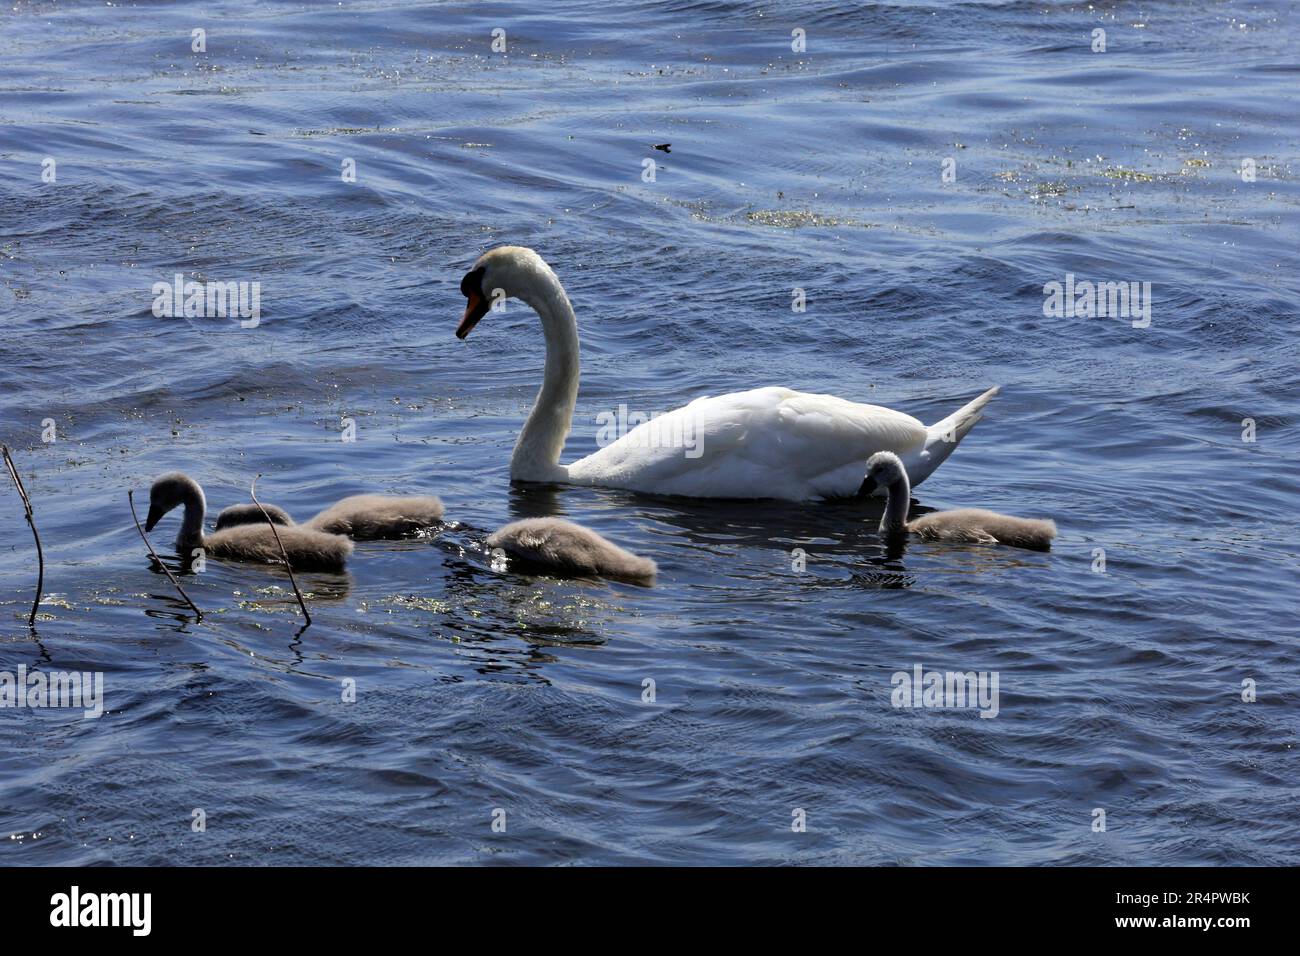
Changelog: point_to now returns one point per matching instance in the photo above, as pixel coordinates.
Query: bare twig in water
(130, 497)
(40, 554)
(252, 491)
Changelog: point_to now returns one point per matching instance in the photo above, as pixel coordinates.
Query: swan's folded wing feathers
(766, 442)
(822, 422)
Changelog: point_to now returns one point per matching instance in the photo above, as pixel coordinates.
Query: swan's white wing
(765, 443)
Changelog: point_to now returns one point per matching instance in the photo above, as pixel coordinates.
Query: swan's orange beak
(475, 308)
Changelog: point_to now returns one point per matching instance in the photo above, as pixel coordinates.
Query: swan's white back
(765, 443)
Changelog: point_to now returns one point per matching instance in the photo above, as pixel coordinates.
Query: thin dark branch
(40, 553)
(252, 491)
(166, 570)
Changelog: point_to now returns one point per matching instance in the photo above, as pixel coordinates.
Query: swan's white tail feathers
(954, 428)
(945, 435)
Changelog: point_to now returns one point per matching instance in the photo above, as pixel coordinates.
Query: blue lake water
(822, 170)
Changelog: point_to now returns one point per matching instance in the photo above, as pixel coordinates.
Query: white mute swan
(560, 546)
(965, 525)
(765, 443)
(307, 550)
(360, 517)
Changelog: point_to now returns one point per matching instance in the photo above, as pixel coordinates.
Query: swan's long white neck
(537, 452)
(894, 520)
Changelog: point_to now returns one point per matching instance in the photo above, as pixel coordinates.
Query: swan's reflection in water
(529, 500)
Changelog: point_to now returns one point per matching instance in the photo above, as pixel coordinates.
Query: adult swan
(766, 443)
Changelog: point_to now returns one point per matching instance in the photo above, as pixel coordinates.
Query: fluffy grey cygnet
(563, 547)
(249, 513)
(308, 550)
(360, 517)
(966, 525)
(368, 517)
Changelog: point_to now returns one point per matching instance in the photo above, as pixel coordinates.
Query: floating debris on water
(1129, 175)
(792, 219)
(1049, 190)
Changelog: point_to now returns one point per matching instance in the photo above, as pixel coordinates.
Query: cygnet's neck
(191, 533)
(894, 520)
